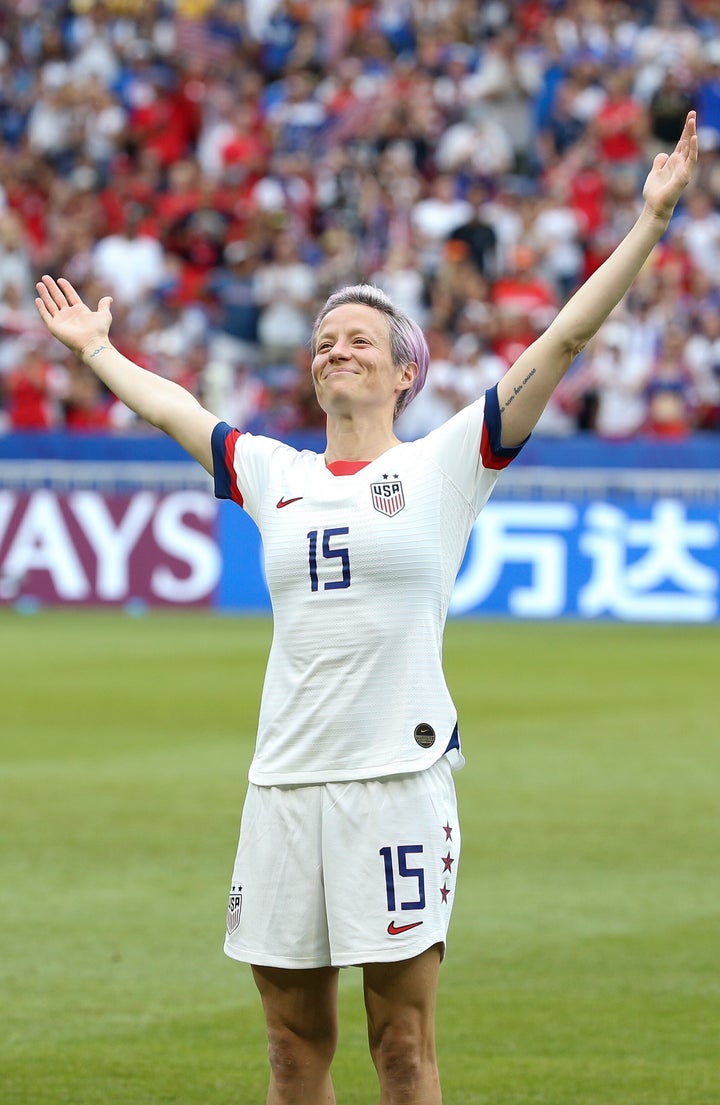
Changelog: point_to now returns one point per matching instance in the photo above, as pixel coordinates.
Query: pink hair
(407, 341)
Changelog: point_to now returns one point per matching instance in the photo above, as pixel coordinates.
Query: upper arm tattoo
(516, 390)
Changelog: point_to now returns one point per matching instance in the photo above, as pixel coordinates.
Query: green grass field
(584, 959)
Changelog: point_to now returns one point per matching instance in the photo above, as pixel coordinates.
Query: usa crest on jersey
(387, 496)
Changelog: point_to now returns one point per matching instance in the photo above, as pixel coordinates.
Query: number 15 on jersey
(323, 544)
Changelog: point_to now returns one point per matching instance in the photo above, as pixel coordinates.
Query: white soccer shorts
(345, 873)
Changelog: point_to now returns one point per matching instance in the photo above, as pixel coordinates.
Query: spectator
(235, 390)
(33, 391)
(557, 234)
(614, 384)
(402, 282)
(479, 148)
(243, 147)
(587, 188)
(440, 397)
(341, 261)
(668, 41)
(16, 322)
(505, 79)
(707, 96)
(92, 45)
(296, 118)
(52, 126)
(130, 263)
(701, 232)
(235, 309)
(86, 403)
(478, 368)
(15, 263)
(702, 355)
(478, 233)
(668, 107)
(670, 414)
(435, 216)
(621, 126)
(103, 123)
(564, 125)
(285, 288)
(523, 297)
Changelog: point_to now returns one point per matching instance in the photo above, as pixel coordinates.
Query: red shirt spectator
(621, 124)
(87, 405)
(587, 194)
(525, 304)
(160, 126)
(31, 404)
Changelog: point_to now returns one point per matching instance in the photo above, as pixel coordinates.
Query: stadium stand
(219, 168)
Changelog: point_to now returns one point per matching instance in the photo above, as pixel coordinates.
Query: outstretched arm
(160, 402)
(527, 386)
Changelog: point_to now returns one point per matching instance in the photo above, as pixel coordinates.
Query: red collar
(346, 467)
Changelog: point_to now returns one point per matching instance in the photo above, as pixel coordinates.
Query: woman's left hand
(670, 173)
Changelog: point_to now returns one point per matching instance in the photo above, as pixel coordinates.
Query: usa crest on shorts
(388, 496)
(234, 909)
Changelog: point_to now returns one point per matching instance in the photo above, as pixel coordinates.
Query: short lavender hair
(407, 341)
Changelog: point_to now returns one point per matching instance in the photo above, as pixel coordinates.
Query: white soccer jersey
(361, 560)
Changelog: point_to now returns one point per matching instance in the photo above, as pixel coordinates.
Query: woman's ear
(409, 375)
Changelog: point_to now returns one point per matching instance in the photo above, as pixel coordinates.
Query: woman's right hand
(69, 319)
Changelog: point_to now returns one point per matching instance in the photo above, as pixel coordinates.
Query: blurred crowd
(220, 167)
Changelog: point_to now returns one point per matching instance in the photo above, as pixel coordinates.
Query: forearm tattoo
(517, 390)
(97, 350)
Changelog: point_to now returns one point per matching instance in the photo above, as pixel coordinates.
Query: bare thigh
(303, 1002)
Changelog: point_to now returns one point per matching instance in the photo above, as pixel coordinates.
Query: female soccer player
(349, 844)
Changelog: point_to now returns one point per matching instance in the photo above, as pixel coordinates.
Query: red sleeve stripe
(230, 442)
(489, 458)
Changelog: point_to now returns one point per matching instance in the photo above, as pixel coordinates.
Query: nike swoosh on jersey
(286, 502)
(395, 930)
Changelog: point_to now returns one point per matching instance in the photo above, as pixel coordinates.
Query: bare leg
(400, 1002)
(301, 1017)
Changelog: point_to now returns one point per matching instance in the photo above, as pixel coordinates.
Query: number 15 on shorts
(404, 883)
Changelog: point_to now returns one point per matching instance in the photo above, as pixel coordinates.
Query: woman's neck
(358, 439)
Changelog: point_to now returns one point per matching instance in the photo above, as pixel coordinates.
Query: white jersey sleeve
(469, 451)
(243, 465)
(360, 569)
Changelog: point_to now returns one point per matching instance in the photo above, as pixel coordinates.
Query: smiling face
(352, 365)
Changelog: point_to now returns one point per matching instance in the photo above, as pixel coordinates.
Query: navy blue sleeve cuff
(221, 468)
(493, 422)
